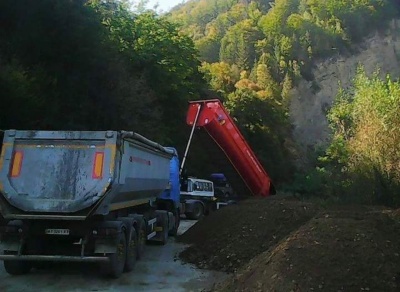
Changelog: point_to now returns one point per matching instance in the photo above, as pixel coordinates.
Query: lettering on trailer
(139, 160)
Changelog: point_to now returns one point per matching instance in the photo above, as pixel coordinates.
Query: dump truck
(83, 196)
(228, 148)
(230, 151)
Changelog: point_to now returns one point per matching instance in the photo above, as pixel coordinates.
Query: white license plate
(57, 231)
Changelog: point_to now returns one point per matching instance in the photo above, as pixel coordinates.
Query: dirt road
(158, 270)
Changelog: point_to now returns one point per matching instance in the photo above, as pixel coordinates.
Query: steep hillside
(310, 100)
(254, 53)
(291, 71)
(209, 22)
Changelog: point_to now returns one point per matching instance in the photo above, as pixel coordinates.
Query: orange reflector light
(98, 165)
(17, 163)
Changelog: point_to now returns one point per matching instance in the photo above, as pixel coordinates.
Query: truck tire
(141, 239)
(198, 211)
(17, 267)
(116, 264)
(165, 231)
(131, 251)
(174, 231)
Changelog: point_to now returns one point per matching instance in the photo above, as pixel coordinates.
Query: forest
(97, 64)
(94, 65)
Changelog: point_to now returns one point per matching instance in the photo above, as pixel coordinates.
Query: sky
(164, 5)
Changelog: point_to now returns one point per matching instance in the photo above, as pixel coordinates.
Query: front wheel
(198, 211)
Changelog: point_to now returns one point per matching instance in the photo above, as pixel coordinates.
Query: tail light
(17, 164)
(98, 165)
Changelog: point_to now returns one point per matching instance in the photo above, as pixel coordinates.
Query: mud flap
(10, 244)
(12, 241)
(105, 246)
(108, 244)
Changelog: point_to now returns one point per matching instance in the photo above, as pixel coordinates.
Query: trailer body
(81, 195)
(211, 116)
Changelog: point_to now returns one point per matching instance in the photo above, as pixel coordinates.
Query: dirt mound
(230, 237)
(335, 251)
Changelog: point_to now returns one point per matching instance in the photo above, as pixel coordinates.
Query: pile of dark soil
(230, 237)
(288, 245)
(336, 251)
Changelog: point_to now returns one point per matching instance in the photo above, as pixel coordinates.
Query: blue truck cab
(170, 198)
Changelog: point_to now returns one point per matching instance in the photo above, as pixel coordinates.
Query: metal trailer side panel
(53, 171)
(220, 126)
(143, 174)
(57, 176)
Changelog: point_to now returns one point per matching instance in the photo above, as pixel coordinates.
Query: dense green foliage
(253, 52)
(285, 35)
(365, 150)
(97, 65)
(362, 161)
(94, 65)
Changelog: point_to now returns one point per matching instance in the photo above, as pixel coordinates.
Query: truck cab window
(186, 186)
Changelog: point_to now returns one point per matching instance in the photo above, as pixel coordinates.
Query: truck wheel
(142, 239)
(116, 264)
(17, 267)
(197, 213)
(174, 231)
(131, 251)
(165, 231)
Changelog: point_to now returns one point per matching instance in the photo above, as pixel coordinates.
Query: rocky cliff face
(311, 100)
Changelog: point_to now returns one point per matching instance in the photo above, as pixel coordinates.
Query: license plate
(57, 231)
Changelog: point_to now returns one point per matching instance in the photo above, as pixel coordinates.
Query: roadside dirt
(233, 235)
(288, 245)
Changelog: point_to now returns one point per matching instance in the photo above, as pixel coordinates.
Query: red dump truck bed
(216, 121)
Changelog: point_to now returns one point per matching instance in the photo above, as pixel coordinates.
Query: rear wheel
(131, 251)
(116, 264)
(142, 239)
(164, 224)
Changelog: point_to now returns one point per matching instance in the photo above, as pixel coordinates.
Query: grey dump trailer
(85, 196)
